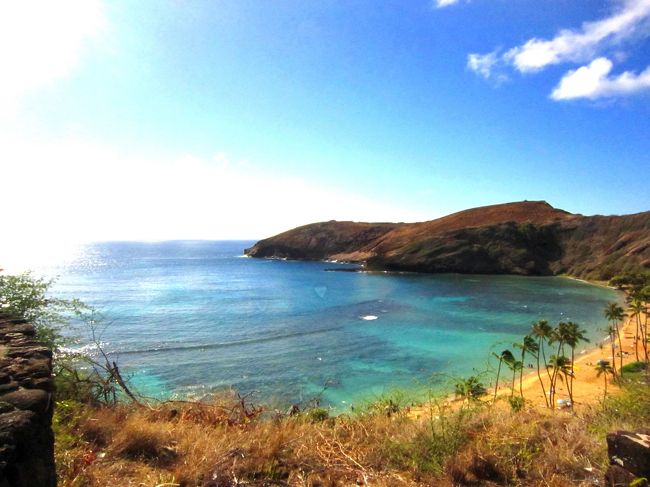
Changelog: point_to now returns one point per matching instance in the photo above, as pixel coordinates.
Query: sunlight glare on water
(190, 317)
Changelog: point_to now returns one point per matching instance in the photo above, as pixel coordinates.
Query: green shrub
(517, 403)
(317, 415)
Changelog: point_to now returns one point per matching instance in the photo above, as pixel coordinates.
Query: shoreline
(588, 389)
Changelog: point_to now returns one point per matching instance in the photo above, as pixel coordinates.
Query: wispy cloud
(581, 45)
(631, 22)
(482, 64)
(41, 41)
(593, 81)
(444, 3)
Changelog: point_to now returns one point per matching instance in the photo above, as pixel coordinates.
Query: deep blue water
(191, 317)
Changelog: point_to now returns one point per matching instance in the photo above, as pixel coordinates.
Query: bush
(516, 403)
(143, 441)
(25, 296)
(317, 415)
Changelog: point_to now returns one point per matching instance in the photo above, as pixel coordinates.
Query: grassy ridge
(229, 443)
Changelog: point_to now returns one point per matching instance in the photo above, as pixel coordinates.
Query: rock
(30, 368)
(26, 438)
(617, 476)
(18, 329)
(9, 386)
(36, 400)
(631, 451)
(33, 351)
(44, 383)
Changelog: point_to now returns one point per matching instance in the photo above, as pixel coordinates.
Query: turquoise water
(189, 318)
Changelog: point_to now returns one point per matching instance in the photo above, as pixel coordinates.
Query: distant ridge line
(524, 238)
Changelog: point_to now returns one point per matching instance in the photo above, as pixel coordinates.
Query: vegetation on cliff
(219, 444)
(527, 238)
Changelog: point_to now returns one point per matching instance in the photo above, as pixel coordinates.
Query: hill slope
(528, 238)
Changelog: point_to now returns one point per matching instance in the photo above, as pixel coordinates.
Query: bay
(187, 318)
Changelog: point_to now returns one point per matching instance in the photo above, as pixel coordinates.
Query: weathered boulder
(26, 406)
(629, 455)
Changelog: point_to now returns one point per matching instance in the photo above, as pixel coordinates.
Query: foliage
(427, 448)
(316, 415)
(77, 377)
(634, 367)
(192, 443)
(470, 389)
(517, 403)
(627, 410)
(632, 281)
(26, 296)
(393, 402)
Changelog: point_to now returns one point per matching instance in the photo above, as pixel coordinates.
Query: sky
(238, 119)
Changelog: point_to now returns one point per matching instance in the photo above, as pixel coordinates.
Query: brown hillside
(319, 241)
(535, 212)
(528, 238)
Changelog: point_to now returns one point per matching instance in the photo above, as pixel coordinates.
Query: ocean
(184, 319)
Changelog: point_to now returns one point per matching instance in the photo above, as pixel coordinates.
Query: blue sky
(240, 119)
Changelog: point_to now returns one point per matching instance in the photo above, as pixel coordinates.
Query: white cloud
(592, 82)
(580, 45)
(41, 41)
(631, 22)
(482, 63)
(444, 3)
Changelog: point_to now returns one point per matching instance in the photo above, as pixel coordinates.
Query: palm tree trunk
(544, 357)
(612, 341)
(539, 375)
(570, 383)
(636, 336)
(496, 384)
(521, 373)
(620, 349)
(554, 378)
(514, 375)
(644, 338)
(605, 386)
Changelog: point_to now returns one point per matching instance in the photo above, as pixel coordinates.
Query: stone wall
(26, 406)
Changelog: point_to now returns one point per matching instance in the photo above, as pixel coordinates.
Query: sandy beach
(588, 388)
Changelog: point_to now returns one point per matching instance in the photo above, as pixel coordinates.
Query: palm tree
(515, 366)
(504, 356)
(470, 389)
(574, 335)
(527, 346)
(614, 313)
(542, 331)
(603, 368)
(637, 309)
(560, 365)
(559, 335)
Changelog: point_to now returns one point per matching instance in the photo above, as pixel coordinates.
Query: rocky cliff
(26, 406)
(527, 238)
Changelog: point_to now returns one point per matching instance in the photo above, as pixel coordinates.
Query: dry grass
(190, 444)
